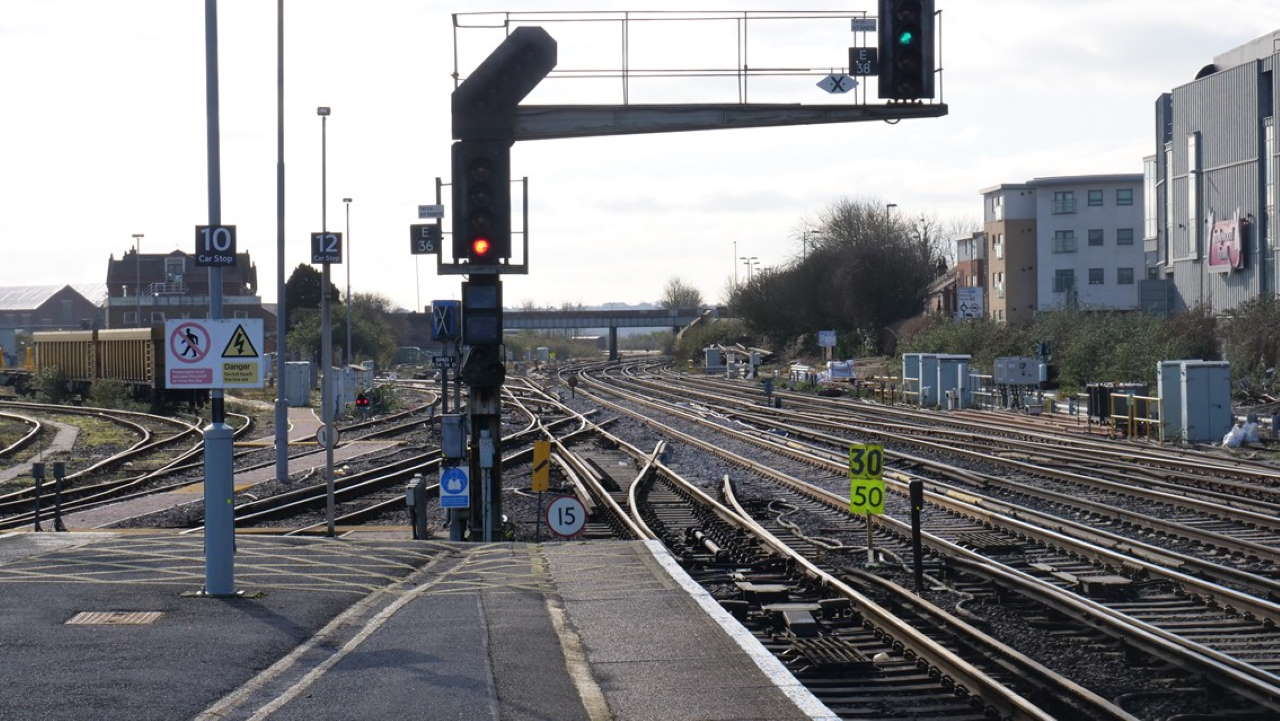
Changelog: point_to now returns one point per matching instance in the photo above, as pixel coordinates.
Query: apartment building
(1211, 223)
(1060, 242)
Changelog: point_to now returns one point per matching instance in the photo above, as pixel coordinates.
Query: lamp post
(735, 265)
(326, 328)
(282, 321)
(749, 262)
(137, 269)
(804, 241)
(347, 204)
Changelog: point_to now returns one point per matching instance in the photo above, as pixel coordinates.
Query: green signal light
(906, 38)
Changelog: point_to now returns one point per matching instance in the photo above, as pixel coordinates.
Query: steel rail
(363, 481)
(633, 491)
(1244, 547)
(590, 483)
(1176, 459)
(997, 650)
(1226, 597)
(1250, 681)
(1212, 538)
(85, 497)
(967, 678)
(371, 485)
(27, 438)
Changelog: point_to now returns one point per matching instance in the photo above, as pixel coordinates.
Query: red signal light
(480, 247)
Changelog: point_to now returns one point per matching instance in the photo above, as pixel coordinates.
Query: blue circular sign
(453, 480)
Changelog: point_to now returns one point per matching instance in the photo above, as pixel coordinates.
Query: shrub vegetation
(1087, 346)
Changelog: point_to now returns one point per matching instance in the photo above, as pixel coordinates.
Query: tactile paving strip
(114, 618)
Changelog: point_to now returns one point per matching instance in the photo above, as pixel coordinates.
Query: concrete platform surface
(370, 629)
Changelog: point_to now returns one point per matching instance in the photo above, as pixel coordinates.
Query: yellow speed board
(866, 489)
(866, 497)
(866, 460)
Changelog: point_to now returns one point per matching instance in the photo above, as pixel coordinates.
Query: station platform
(105, 625)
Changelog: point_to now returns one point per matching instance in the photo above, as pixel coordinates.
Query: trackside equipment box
(1205, 388)
(1016, 371)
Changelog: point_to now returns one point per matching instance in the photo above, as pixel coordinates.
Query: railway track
(371, 495)
(36, 427)
(855, 654)
(111, 480)
(1211, 639)
(1241, 532)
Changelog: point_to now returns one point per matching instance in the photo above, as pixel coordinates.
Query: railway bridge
(673, 318)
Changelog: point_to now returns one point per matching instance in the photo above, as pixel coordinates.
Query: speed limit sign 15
(215, 246)
(866, 488)
(566, 516)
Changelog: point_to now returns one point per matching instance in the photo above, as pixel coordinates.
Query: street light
(804, 241)
(749, 262)
(326, 327)
(347, 257)
(735, 266)
(137, 267)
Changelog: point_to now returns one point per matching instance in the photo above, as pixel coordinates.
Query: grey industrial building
(1210, 211)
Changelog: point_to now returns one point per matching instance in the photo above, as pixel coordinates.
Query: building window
(1095, 236)
(1095, 276)
(997, 245)
(997, 207)
(1064, 241)
(1064, 280)
(1193, 195)
(129, 318)
(1124, 196)
(1124, 236)
(174, 267)
(1270, 174)
(241, 314)
(1168, 203)
(1064, 201)
(1149, 230)
(1124, 276)
(157, 316)
(1095, 198)
(1153, 273)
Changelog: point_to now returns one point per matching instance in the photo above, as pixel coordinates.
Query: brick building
(148, 288)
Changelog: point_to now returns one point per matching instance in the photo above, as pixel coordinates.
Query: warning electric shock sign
(189, 362)
(240, 345)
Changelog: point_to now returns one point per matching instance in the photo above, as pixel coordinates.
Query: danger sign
(190, 364)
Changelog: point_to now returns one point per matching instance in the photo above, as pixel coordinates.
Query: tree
(371, 333)
(302, 290)
(678, 294)
(866, 268)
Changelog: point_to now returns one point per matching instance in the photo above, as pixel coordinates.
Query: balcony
(173, 287)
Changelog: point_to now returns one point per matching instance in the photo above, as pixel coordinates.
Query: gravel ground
(1105, 671)
(1114, 500)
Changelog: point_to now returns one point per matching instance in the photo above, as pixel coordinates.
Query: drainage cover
(114, 618)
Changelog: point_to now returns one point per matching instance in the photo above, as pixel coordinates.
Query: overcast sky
(102, 131)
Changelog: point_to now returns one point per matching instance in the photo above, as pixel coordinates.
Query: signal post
(484, 113)
(487, 120)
